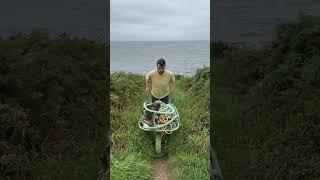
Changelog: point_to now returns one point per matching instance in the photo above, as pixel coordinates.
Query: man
(160, 79)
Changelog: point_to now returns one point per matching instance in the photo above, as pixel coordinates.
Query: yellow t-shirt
(160, 83)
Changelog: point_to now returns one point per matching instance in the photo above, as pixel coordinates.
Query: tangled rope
(161, 119)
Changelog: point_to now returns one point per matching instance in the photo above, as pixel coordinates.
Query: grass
(130, 166)
(130, 150)
(188, 148)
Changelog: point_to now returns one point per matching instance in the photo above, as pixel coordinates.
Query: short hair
(161, 62)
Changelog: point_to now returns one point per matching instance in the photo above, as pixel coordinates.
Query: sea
(182, 57)
(253, 22)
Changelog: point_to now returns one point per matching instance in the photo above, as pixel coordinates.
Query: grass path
(187, 155)
(187, 146)
(161, 165)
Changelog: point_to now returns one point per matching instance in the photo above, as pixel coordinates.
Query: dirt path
(160, 169)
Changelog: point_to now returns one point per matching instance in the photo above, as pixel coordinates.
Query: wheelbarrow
(162, 121)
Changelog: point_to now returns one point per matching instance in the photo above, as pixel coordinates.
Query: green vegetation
(265, 106)
(52, 116)
(132, 149)
(188, 148)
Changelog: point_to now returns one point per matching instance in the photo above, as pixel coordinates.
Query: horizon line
(155, 40)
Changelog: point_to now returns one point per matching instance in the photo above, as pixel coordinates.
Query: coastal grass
(188, 148)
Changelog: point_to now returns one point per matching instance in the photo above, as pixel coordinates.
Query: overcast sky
(147, 20)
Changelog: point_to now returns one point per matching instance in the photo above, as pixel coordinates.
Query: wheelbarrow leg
(158, 143)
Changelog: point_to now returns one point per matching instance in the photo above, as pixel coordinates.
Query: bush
(275, 90)
(50, 103)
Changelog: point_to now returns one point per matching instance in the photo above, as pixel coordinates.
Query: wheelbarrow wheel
(158, 144)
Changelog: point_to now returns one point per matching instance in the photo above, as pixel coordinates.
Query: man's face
(161, 68)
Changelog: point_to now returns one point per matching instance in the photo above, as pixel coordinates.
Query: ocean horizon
(182, 57)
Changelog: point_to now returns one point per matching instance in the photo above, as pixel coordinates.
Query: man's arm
(173, 79)
(147, 86)
(147, 83)
(172, 87)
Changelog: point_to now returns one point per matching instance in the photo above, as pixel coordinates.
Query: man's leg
(153, 99)
(165, 99)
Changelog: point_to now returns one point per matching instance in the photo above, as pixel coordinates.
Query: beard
(160, 72)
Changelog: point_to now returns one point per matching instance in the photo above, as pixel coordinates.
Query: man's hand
(172, 93)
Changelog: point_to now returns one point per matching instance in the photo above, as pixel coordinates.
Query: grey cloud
(160, 20)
